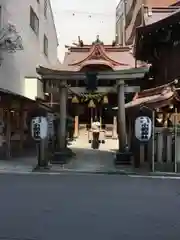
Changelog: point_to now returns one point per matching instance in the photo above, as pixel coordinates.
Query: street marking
(50, 173)
(156, 177)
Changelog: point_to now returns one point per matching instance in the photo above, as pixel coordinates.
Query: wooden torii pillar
(122, 155)
(62, 115)
(121, 117)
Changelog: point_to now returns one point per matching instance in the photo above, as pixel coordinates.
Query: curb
(118, 172)
(83, 172)
(71, 171)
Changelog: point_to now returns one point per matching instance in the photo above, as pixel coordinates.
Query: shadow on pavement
(90, 160)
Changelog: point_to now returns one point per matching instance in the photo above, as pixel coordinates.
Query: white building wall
(120, 22)
(19, 68)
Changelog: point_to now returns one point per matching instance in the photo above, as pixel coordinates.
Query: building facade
(158, 44)
(34, 22)
(136, 12)
(120, 23)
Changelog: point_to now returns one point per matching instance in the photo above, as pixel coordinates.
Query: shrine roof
(115, 57)
(155, 97)
(49, 71)
(161, 19)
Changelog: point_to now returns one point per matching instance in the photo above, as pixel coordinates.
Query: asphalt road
(88, 207)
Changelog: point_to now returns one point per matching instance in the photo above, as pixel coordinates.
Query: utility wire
(75, 12)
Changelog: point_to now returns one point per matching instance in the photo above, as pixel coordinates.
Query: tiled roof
(156, 97)
(122, 56)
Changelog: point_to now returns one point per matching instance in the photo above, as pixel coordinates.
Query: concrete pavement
(88, 159)
(19, 165)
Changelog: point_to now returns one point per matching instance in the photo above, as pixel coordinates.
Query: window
(34, 21)
(45, 8)
(45, 45)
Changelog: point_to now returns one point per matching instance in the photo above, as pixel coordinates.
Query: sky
(83, 18)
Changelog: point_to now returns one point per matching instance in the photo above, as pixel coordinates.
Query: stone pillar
(1, 126)
(21, 127)
(122, 156)
(121, 118)
(160, 147)
(1, 132)
(51, 100)
(142, 154)
(8, 134)
(76, 126)
(114, 131)
(100, 117)
(91, 109)
(169, 148)
(95, 112)
(63, 115)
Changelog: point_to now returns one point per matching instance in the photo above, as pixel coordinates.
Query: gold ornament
(75, 100)
(91, 104)
(105, 100)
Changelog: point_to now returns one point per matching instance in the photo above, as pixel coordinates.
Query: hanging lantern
(105, 100)
(75, 100)
(99, 99)
(91, 104)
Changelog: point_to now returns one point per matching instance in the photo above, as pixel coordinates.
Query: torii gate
(110, 62)
(55, 78)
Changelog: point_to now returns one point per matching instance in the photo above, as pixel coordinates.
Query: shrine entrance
(91, 82)
(93, 98)
(58, 82)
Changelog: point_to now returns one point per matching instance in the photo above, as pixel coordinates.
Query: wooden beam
(79, 90)
(129, 77)
(60, 77)
(45, 71)
(105, 77)
(131, 89)
(126, 74)
(128, 89)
